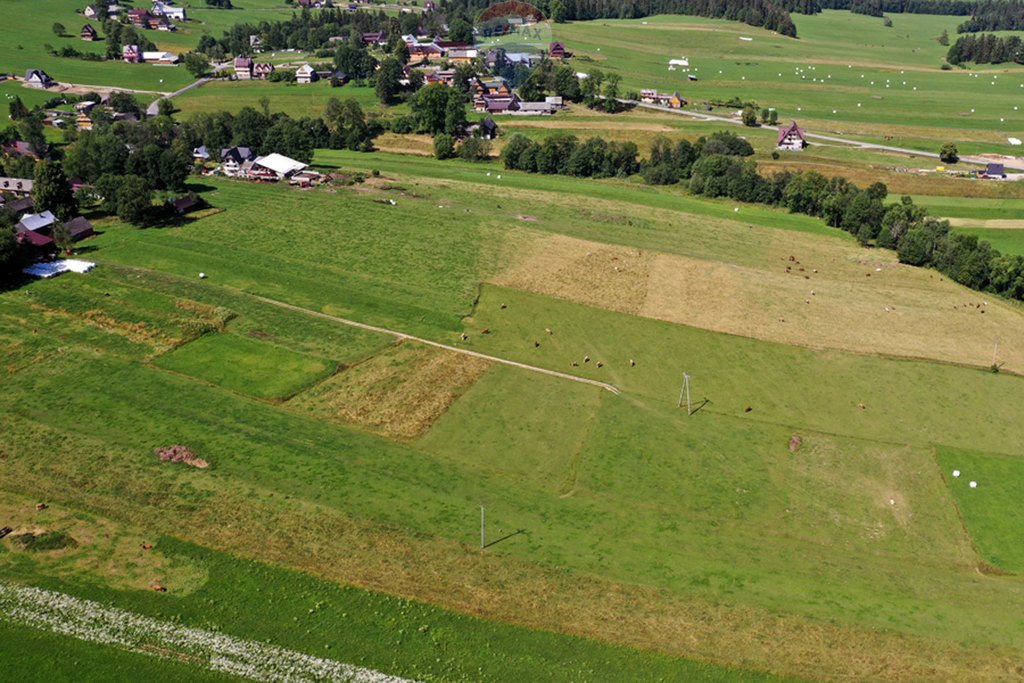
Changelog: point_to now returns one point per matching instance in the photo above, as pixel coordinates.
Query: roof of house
(791, 128)
(158, 56)
(279, 163)
(19, 148)
(17, 206)
(995, 169)
(35, 239)
(243, 63)
(238, 154)
(16, 185)
(489, 124)
(201, 152)
(536, 106)
(37, 221)
(88, 29)
(305, 69)
(36, 74)
(186, 204)
(78, 228)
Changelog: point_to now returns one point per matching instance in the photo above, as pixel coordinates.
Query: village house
(262, 70)
(429, 50)
(200, 155)
(186, 204)
(243, 68)
(375, 38)
(131, 54)
(37, 78)
(93, 12)
(673, 100)
(498, 105)
(791, 138)
(79, 228)
(445, 76)
(159, 24)
(557, 51)
(17, 186)
(139, 18)
(462, 55)
(232, 159)
(42, 245)
(18, 207)
(20, 148)
(158, 57)
(37, 222)
(306, 74)
(994, 171)
(486, 129)
(166, 10)
(83, 122)
(533, 109)
(278, 164)
(88, 33)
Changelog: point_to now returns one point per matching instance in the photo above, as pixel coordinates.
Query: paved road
(455, 349)
(154, 108)
(828, 138)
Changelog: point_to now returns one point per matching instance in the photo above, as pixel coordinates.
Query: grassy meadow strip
(91, 621)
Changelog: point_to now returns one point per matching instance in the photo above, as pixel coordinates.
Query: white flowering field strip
(94, 622)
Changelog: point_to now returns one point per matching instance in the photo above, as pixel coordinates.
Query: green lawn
(839, 61)
(1006, 241)
(284, 608)
(246, 365)
(293, 98)
(990, 509)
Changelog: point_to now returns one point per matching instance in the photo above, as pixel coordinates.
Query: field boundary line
(438, 345)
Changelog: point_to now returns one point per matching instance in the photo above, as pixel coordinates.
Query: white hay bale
(956, 473)
(202, 276)
(973, 484)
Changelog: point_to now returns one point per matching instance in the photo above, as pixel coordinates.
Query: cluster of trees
(670, 163)
(565, 155)
(470, 149)
(995, 15)
(986, 48)
(311, 30)
(117, 35)
(436, 109)
(597, 91)
(343, 125)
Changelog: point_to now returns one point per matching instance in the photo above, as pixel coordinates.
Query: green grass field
(803, 522)
(246, 365)
(614, 495)
(839, 61)
(986, 509)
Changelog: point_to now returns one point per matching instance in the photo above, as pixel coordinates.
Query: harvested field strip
(991, 223)
(405, 337)
(91, 621)
(399, 393)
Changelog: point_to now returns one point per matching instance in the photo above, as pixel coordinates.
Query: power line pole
(482, 540)
(995, 350)
(684, 391)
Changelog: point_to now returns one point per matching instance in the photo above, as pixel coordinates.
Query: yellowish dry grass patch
(597, 274)
(398, 393)
(830, 295)
(992, 223)
(124, 559)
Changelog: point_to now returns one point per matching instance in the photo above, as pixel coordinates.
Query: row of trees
(918, 239)
(995, 15)
(565, 155)
(770, 14)
(986, 48)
